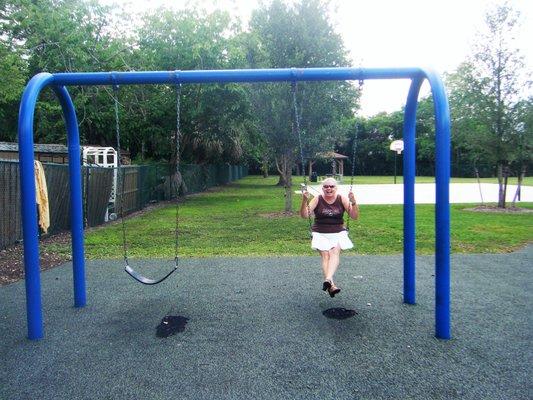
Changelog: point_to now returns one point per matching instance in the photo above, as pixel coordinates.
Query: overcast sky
(389, 33)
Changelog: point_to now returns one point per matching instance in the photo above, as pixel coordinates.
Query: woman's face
(329, 188)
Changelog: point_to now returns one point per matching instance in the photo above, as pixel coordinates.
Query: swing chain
(122, 174)
(297, 125)
(354, 149)
(177, 150)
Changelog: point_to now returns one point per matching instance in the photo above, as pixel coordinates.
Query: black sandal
(326, 285)
(333, 290)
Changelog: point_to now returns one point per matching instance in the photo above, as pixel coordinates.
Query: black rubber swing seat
(143, 279)
(130, 271)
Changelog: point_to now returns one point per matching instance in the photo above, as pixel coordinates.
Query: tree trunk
(174, 183)
(281, 180)
(505, 180)
(479, 185)
(288, 194)
(284, 166)
(501, 199)
(519, 186)
(264, 167)
(503, 175)
(174, 186)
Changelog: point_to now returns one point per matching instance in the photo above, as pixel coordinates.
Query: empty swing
(134, 274)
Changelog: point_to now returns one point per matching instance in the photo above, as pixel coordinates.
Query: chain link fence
(143, 185)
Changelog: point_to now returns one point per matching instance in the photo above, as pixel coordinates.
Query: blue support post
(76, 198)
(409, 164)
(30, 231)
(442, 207)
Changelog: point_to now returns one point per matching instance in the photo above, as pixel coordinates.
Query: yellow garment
(41, 197)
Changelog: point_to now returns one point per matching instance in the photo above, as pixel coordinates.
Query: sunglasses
(328, 186)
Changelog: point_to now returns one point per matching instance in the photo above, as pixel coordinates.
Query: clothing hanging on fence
(41, 197)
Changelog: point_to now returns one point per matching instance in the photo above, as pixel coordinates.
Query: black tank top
(329, 217)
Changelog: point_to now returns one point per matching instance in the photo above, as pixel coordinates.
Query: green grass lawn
(244, 219)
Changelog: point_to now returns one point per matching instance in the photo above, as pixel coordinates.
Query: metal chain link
(122, 173)
(177, 149)
(354, 149)
(297, 123)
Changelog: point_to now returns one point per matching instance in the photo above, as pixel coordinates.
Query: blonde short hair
(329, 181)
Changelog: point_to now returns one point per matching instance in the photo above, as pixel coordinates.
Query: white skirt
(327, 241)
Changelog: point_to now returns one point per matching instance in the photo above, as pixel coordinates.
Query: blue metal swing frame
(58, 82)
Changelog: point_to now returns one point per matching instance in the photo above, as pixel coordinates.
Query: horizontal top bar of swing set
(236, 75)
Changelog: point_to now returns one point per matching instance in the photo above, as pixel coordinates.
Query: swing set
(59, 82)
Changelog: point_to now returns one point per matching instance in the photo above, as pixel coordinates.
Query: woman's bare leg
(325, 262)
(333, 262)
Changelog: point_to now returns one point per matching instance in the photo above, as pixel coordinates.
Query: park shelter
(336, 159)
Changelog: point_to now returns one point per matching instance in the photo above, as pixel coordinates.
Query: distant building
(48, 153)
(51, 153)
(336, 160)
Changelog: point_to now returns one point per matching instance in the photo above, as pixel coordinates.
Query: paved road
(425, 193)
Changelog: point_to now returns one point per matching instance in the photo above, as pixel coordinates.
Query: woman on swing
(329, 233)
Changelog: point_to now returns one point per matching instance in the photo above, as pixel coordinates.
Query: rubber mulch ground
(255, 329)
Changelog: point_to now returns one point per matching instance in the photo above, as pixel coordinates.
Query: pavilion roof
(331, 154)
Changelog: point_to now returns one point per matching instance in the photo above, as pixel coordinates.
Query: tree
(82, 35)
(373, 156)
(215, 118)
(425, 137)
(301, 35)
(13, 73)
(469, 123)
(65, 36)
(497, 68)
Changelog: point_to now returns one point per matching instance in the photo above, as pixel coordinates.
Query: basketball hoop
(397, 146)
